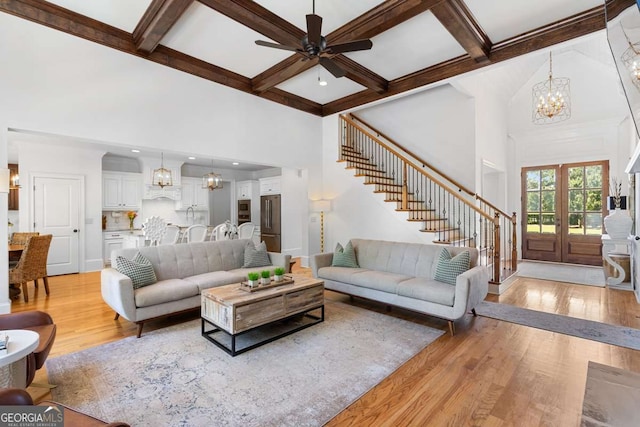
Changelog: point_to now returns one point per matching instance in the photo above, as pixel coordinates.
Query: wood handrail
(492, 206)
(430, 166)
(406, 160)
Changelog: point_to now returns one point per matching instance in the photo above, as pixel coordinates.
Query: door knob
(75, 230)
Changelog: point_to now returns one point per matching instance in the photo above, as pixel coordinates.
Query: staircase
(451, 213)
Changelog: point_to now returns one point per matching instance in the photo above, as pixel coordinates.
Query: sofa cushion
(344, 257)
(138, 269)
(256, 256)
(379, 280)
(213, 279)
(339, 274)
(448, 268)
(428, 290)
(165, 291)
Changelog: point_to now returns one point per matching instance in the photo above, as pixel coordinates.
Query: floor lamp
(321, 206)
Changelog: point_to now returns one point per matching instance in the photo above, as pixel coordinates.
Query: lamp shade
(321, 205)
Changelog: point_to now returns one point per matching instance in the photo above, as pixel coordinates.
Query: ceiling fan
(314, 45)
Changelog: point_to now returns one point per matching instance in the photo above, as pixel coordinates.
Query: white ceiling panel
(502, 20)
(123, 14)
(334, 13)
(411, 46)
(306, 85)
(212, 37)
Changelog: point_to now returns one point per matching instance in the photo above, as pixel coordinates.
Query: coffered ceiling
(415, 42)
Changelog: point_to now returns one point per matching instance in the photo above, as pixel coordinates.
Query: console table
(609, 247)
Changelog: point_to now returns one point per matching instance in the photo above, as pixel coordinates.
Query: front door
(564, 210)
(57, 212)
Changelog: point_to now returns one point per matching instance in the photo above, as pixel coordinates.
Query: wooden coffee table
(235, 312)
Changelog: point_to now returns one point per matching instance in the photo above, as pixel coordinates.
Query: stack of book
(4, 343)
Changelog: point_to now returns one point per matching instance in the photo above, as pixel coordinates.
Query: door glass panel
(541, 201)
(576, 200)
(576, 223)
(593, 221)
(576, 176)
(594, 201)
(585, 199)
(594, 176)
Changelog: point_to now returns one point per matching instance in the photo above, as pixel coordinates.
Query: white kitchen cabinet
(121, 191)
(131, 240)
(112, 240)
(193, 195)
(270, 185)
(246, 190)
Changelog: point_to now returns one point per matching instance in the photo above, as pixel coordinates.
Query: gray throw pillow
(139, 270)
(256, 256)
(448, 269)
(344, 257)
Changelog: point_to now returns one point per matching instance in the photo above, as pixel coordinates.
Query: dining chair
(195, 233)
(19, 238)
(171, 235)
(245, 231)
(218, 232)
(32, 264)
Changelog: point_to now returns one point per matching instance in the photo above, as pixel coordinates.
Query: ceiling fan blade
(353, 46)
(332, 67)
(277, 46)
(314, 29)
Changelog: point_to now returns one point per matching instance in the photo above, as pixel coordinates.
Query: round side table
(13, 365)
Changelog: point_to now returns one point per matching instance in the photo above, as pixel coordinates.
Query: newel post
(496, 248)
(514, 243)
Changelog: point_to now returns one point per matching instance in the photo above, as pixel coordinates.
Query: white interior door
(57, 212)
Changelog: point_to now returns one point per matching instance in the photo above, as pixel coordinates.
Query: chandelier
(161, 176)
(212, 180)
(631, 60)
(551, 99)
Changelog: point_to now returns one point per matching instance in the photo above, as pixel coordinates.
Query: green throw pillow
(256, 256)
(139, 270)
(344, 257)
(448, 269)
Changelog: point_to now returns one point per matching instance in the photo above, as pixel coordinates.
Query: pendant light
(212, 180)
(161, 176)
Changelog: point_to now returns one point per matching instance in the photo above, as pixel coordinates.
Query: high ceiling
(415, 42)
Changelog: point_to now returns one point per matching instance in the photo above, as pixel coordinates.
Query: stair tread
(386, 184)
(426, 220)
(373, 176)
(364, 169)
(355, 156)
(389, 191)
(415, 210)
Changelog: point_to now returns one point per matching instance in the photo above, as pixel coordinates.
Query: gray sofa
(401, 274)
(183, 271)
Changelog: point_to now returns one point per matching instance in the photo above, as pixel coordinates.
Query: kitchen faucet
(193, 214)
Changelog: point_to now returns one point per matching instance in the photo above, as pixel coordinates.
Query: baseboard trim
(93, 265)
(499, 289)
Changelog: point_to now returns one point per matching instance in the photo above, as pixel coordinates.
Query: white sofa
(401, 274)
(183, 271)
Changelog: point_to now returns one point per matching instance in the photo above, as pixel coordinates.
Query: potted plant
(278, 274)
(253, 279)
(266, 277)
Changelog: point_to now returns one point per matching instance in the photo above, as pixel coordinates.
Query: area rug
(580, 274)
(611, 397)
(175, 377)
(587, 329)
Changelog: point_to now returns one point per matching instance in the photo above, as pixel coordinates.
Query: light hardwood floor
(491, 373)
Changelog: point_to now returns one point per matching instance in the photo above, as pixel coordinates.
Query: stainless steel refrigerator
(270, 222)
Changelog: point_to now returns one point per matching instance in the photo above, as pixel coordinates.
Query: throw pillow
(448, 269)
(256, 256)
(344, 257)
(138, 269)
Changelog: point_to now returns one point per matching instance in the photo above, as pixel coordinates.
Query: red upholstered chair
(37, 321)
(72, 418)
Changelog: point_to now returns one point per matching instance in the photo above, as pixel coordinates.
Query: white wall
(46, 156)
(436, 124)
(294, 212)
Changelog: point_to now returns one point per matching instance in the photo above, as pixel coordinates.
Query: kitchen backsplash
(165, 209)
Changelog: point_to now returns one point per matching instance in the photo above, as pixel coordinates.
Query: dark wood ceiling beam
(458, 20)
(374, 22)
(157, 21)
(575, 26)
(259, 19)
(58, 18)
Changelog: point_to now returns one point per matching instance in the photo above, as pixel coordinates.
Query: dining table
(15, 250)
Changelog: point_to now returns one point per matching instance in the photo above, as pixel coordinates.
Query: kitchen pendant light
(212, 180)
(161, 176)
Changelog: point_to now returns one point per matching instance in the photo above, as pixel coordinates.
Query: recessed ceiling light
(135, 151)
(191, 158)
(235, 163)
